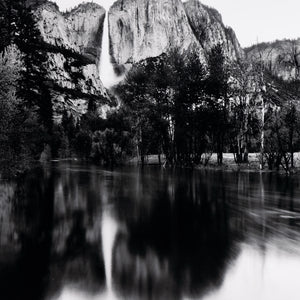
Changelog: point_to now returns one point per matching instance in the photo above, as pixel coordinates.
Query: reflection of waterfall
(107, 73)
(109, 232)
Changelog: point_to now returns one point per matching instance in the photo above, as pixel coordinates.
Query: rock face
(281, 58)
(79, 30)
(210, 30)
(73, 43)
(147, 28)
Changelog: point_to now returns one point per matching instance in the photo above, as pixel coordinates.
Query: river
(72, 231)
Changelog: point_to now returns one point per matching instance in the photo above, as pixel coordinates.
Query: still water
(79, 232)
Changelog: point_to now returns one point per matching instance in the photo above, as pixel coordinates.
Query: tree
(83, 144)
(19, 28)
(165, 95)
(218, 91)
(243, 111)
(10, 66)
(20, 134)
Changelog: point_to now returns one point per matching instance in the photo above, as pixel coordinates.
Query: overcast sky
(252, 20)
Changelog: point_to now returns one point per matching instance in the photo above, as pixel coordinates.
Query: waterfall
(106, 68)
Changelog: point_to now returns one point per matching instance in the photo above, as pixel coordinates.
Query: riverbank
(229, 163)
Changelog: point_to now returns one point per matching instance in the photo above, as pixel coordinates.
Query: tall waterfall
(107, 73)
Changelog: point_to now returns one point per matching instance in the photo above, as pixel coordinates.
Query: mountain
(281, 58)
(79, 30)
(147, 28)
(73, 43)
(209, 29)
(138, 29)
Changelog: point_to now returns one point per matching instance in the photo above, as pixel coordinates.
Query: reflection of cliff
(136, 234)
(168, 230)
(77, 258)
(63, 224)
(58, 241)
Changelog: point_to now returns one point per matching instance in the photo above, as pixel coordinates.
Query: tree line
(187, 110)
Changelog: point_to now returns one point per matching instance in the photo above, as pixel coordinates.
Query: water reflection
(73, 232)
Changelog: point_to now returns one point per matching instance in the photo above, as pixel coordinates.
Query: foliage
(282, 137)
(21, 135)
(19, 28)
(26, 107)
(176, 107)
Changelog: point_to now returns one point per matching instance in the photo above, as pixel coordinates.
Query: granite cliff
(73, 43)
(209, 29)
(281, 58)
(147, 28)
(79, 30)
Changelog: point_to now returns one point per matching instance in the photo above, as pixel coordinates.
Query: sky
(65, 4)
(252, 20)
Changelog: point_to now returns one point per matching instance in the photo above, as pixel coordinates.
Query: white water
(109, 232)
(107, 73)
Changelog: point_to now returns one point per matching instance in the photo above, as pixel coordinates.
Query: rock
(209, 29)
(73, 42)
(281, 58)
(147, 28)
(79, 30)
(141, 29)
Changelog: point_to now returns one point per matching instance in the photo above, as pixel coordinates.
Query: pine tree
(19, 28)
(217, 88)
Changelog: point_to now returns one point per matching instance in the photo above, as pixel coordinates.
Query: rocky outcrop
(147, 28)
(281, 58)
(73, 43)
(209, 29)
(79, 30)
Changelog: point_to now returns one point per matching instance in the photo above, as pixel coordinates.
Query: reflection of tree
(178, 246)
(76, 253)
(76, 239)
(176, 230)
(265, 209)
(43, 267)
(7, 226)
(25, 278)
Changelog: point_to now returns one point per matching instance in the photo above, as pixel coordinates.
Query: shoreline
(229, 165)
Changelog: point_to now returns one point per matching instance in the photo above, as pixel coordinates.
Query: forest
(174, 106)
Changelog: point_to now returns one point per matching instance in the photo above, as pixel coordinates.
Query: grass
(228, 162)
